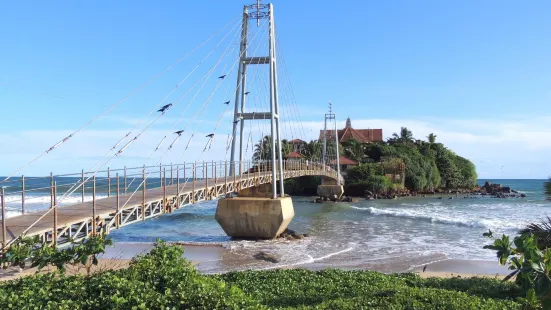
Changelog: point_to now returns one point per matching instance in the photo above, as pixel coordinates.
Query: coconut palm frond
(542, 232)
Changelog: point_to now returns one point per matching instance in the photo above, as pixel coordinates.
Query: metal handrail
(202, 173)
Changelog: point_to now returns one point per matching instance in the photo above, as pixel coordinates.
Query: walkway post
(214, 172)
(4, 230)
(171, 179)
(225, 177)
(206, 176)
(125, 179)
(94, 206)
(178, 186)
(143, 193)
(51, 189)
(193, 167)
(118, 216)
(108, 182)
(165, 206)
(161, 174)
(54, 233)
(185, 180)
(82, 185)
(22, 194)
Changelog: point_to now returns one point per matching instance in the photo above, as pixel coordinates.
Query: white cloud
(500, 148)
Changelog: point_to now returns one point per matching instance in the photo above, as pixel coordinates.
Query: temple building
(360, 135)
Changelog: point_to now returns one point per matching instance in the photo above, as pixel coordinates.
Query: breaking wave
(431, 216)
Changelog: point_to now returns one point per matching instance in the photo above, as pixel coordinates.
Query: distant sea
(386, 235)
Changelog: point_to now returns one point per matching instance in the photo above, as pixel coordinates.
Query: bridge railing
(30, 195)
(22, 195)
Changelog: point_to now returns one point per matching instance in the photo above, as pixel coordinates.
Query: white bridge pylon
(259, 11)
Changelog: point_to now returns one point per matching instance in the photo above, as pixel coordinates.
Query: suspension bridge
(250, 192)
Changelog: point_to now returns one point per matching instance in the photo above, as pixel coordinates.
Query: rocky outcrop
(272, 258)
(342, 199)
(290, 234)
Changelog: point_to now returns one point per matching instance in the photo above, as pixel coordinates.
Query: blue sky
(477, 73)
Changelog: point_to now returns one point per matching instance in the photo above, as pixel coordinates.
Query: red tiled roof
(293, 155)
(297, 141)
(344, 161)
(360, 135)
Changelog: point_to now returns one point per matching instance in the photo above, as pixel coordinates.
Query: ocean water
(385, 235)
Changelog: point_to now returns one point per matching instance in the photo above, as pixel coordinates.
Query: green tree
(263, 149)
(354, 150)
(313, 150)
(431, 138)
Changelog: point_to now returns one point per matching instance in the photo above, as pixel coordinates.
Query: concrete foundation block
(254, 217)
(330, 191)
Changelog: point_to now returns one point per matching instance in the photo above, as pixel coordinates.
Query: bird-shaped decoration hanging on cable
(179, 134)
(222, 76)
(227, 102)
(164, 108)
(209, 143)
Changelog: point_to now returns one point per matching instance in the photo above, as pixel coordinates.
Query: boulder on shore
(290, 234)
(272, 258)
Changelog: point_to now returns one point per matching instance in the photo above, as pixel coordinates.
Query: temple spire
(348, 123)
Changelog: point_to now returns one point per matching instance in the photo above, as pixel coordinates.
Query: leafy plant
(530, 264)
(19, 252)
(41, 254)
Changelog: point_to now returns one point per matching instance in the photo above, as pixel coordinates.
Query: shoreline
(119, 256)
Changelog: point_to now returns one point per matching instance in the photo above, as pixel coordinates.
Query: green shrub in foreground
(162, 279)
(338, 289)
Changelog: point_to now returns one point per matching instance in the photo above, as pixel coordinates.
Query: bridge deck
(81, 211)
(76, 220)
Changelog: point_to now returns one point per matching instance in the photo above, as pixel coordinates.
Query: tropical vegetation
(429, 165)
(419, 166)
(162, 279)
(529, 257)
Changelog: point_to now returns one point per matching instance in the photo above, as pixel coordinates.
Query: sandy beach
(120, 255)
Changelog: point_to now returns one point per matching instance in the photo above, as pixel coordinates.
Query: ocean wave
(309, 260)
(450, 219)
(38, 203)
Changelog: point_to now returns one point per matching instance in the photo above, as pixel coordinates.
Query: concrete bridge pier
(330, 189)
(255, 214)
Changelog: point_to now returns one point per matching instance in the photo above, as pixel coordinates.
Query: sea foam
(433, 216)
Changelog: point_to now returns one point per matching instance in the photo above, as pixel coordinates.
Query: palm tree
(313, 150)
(431, 138)
(263, 149)
(542, 232)
(406, 136)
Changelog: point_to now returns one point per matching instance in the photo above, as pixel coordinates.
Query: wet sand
(463, 268)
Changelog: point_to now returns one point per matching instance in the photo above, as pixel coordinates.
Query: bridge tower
(329, 188)
(258, 11)
(258, 212)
